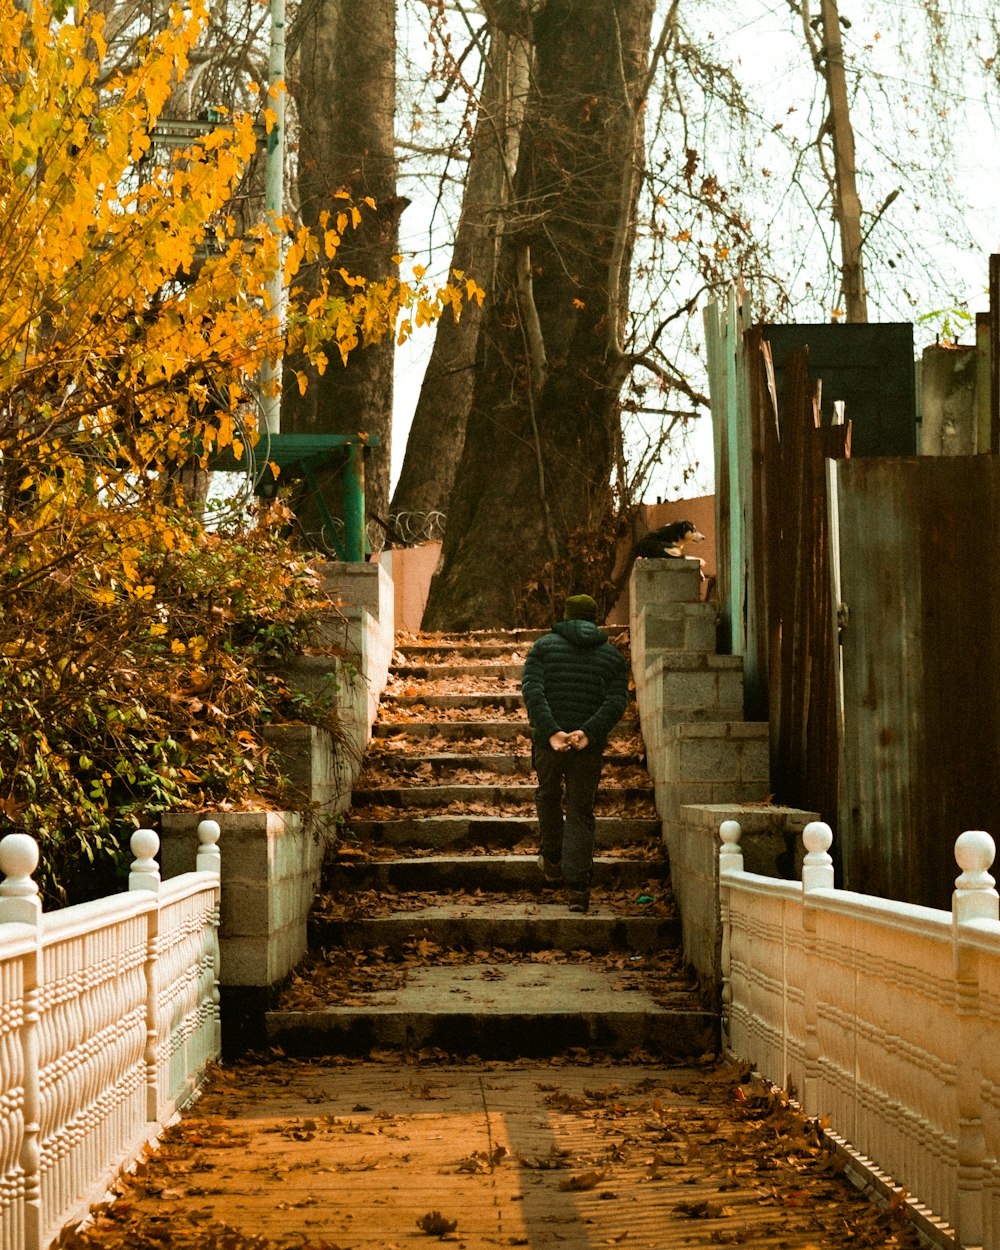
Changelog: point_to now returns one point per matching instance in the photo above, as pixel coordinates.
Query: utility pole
(847, 205)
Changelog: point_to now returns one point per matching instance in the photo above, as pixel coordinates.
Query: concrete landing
(504, 1011)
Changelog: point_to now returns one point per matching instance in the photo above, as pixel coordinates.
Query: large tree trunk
(344, 85)
(530, 512)
(437, 432)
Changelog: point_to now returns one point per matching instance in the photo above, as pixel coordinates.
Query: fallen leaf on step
(703, 1210)
(434, 1224)
(582, 1180)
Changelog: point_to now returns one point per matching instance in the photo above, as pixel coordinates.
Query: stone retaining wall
(271, 860)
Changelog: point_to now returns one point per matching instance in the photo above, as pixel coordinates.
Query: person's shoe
(579, 900)
(550, 871)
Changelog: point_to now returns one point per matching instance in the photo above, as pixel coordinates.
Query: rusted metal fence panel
(773, 559)
(804, 745)
(920, 576)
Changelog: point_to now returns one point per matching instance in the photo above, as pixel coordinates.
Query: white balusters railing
(108, 1017)
(883, 1017)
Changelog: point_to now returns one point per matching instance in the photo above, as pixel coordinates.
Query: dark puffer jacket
(574, 679)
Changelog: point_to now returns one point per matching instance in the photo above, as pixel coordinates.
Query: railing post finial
(975, 896)
(145, 871)
(817, 867)
(730, 853)
(209, 858)
(19, 900)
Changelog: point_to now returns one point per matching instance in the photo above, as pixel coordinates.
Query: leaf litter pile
(381, 1154)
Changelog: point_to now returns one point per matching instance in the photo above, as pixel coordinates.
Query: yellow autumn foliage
(137, 650)
(134, 319)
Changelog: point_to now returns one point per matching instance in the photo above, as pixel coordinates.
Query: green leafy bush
(119, 702)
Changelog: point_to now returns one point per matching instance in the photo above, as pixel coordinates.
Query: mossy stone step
(505, 638)
(501, 730)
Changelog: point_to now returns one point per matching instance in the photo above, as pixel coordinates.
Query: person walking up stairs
(436, 931)
(575, 688)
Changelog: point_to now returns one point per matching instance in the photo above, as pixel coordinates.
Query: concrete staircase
(436, 892)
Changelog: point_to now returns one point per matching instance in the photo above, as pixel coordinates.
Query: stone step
(504, 1011)
(483, 872)
(470, 638)
(510, 701)
(458, 652)
(438, 672)
(444, 762)
(507, 831)
(486, 925)
(503, 730)
(432, 796)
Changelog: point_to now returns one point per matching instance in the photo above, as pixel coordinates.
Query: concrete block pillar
(270, 875)
(771, 843)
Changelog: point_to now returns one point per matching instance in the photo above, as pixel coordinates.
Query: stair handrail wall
(880, 1017)
(109, 1017)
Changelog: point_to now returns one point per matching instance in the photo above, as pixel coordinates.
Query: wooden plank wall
(920, 574)
(792, 545)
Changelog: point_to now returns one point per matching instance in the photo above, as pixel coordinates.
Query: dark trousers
(568, 840)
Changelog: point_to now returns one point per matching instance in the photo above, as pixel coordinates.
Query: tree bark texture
(343, 83)
(437, 432)
(532, 498)
(847, 205)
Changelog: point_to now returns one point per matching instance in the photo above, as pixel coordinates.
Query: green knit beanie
(580, 608)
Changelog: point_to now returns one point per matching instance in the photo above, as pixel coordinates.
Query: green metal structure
(300, 457)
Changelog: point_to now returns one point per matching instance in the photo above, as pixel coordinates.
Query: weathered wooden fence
(882, 1016)
(919, 570)
(109, 1016)
(773, 554)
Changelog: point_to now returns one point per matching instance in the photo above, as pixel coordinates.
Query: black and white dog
(667, 542)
